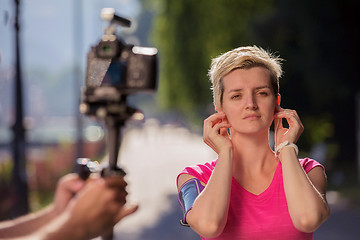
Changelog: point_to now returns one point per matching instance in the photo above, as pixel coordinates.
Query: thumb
(127, 210)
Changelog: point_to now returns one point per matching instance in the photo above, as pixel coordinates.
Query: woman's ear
(217, 108)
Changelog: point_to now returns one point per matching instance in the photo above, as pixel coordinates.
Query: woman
(250, 191)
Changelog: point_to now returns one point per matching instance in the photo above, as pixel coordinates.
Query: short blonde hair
(242, 58)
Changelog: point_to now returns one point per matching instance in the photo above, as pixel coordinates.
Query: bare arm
(66, 189)
(91, 213)
(305, 193)
(208, 216)
(27, 224)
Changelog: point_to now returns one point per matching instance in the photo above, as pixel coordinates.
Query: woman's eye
(235, 96)
(263, 93)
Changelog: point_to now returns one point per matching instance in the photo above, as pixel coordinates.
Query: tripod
(115, 117)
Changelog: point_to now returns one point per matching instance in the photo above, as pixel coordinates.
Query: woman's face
(248, 100)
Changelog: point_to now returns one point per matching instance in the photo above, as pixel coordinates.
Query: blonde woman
(251, 191)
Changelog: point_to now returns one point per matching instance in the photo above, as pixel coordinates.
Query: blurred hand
(66, 189)
(100, 205)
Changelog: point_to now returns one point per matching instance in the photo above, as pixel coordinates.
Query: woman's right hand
(215, 133)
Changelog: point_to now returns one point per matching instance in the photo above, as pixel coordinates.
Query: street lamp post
(19, 177)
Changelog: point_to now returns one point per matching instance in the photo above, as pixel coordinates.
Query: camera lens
(107, 49)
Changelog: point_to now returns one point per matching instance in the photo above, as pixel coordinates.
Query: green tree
(188, 34)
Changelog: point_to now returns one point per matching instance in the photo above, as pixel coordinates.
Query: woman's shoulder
(308, 164)
(200, 171)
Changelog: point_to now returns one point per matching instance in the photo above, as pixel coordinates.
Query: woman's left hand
(66, 189)
(295, 129)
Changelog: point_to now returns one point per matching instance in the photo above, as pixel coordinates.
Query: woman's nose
(251, 102)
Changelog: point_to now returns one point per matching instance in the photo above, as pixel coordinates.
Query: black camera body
(115, 70)
(131, 68)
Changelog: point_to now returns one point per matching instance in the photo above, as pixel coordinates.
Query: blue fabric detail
(187, 195)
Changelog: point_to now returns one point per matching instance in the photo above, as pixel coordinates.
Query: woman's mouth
(251, 117)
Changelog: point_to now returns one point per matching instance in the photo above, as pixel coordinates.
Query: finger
(287, 114)
(224, 129)
(291, 116)
(120, 196)
(224, 132)
(67, 187)
(220, 126)
(214, 119)
(127, 210)
(295, 126)
(115, 182)
(71, 182)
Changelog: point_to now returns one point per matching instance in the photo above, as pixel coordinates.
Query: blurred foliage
(352, 193)
(6, 166)
(188, 34)
(317, 39)
(46, 164)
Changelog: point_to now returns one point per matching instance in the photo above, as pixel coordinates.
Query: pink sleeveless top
(264, 216)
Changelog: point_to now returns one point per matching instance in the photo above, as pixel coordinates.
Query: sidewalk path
(153, 155)
(344, 221)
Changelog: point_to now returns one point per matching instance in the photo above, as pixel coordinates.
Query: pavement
(343, 223)
(154, 154)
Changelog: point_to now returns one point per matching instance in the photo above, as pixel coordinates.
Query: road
(154, 154)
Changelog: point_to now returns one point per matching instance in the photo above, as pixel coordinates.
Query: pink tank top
(264, 216)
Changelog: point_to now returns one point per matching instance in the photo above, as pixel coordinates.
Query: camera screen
(96, 70)
(115, 74)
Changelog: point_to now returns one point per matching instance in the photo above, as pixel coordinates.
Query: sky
(55, 37)
(47, 28)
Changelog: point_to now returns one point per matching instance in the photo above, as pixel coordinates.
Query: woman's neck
(252, 153)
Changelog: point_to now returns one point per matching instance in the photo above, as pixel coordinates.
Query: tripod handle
(84, 167)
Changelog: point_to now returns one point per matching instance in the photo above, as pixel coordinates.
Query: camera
(115, 70)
